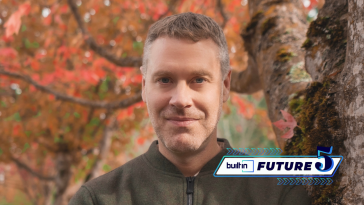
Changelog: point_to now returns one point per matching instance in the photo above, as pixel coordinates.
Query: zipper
(189, 191)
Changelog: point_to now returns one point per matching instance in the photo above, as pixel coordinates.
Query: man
(186, 79)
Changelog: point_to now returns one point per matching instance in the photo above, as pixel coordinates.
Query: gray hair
(189, 26)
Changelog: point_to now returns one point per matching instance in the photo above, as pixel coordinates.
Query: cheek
(210, 102)
(156, 101)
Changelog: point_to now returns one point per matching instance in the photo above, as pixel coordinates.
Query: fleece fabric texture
(153, 179)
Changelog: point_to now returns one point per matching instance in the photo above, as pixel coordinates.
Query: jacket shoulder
(107, 184)
(113, 177)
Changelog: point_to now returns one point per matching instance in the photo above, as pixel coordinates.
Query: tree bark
(273, 40)
(351, 106)
(64, 173)
(334, 59)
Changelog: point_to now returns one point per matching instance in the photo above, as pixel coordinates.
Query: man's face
(184, 92)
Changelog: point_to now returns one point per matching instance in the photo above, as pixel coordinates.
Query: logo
(280, 166)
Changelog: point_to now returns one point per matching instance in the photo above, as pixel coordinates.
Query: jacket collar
(158, 161)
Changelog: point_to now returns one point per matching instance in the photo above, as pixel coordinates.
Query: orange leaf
(51, 97)
(64, 9)
(47, 20)
(35, 65)
(12, 25)
(16, 129)
(140, 141)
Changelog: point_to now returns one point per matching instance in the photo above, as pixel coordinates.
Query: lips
(181, 121)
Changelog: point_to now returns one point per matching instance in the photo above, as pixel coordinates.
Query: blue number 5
(329, 162)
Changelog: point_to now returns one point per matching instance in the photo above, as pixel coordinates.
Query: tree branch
(247, 81)
(104, 147)
(107, 105)
(30, 170)
(125, 62)
(224, 16)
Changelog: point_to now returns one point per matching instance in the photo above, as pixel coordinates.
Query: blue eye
(199, 80)
(164, 80)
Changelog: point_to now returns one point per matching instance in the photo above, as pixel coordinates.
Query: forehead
(182, 56)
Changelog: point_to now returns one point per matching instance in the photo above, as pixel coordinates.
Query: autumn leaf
(140, 141)
(8, 52)
(290, 123)
(12, 25)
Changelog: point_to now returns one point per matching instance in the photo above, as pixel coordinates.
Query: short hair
(191, 26)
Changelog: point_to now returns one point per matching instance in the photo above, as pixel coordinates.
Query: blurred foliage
(247, 126)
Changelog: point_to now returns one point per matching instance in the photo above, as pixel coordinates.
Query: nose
(181, 96)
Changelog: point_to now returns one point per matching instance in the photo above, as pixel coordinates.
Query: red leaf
(142, 8)
(64, 9)
(288, 134)
(35, 65)
(16, 129)
(121, 115)
(8, 52)
(7, 39)
(130, 111)
(24, 9)
(47, 20)
(290, 123)
(140, 141)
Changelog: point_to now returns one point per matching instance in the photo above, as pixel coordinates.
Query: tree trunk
(331, 110)
(273, 40)
(63, 176)
(351, 106)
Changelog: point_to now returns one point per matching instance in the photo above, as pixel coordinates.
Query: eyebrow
(170, 73)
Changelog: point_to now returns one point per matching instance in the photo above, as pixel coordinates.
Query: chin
(183, 143)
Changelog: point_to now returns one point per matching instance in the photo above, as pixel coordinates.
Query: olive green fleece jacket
(153, 179)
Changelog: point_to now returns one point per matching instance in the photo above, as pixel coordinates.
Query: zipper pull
(189, 191)
(190, 181)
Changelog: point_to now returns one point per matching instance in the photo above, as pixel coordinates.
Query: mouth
(182, 122)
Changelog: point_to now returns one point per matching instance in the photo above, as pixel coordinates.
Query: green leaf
(38, 114)
(94, 121)
(3, 104)
(66, 115)
(115, 20)
(104, 85)
(89, 164)
(67, 129)
(116, 152)
(106, 168)
(29, 44)
(124, 55)
(26, 146)
(23, 28)
(27, 133)
(1, 151)
(57, 140)
(102, 96)
(77, 115)
(138, 46)
(17, 117)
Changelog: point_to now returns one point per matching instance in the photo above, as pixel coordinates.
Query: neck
(191, 163)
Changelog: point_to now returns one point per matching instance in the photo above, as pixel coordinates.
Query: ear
(143, 85)
(226, 86)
